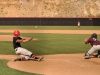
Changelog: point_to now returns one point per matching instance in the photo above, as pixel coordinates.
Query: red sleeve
(88, 41)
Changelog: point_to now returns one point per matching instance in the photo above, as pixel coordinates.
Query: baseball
(35, 26)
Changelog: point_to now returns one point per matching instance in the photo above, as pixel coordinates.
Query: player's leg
(23, 58)
(24, 53)
(31, 55)
(98, 53)
(87, 55)
(91, 51)
(36, 58)
(27, 55)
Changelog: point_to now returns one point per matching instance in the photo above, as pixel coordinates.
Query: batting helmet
(16, 33)
(94, 35)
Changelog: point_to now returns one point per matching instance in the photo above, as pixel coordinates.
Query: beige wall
(50, 8)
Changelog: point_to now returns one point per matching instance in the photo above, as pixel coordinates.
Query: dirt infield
(55, 31)
(9, 37)
(60, 64)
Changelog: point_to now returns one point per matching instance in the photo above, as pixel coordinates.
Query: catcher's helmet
(94, 35)
(16, 33)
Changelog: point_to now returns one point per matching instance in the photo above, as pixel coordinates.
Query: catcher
(24, 53)
(93, 41)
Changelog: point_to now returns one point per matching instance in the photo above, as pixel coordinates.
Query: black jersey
(16, 44)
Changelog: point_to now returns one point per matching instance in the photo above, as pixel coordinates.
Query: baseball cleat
(17, 59)
(86, 56)
(40, 58)
(97, 56)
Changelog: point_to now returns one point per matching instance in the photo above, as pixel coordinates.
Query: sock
(32, 56)
(22, 59)
(19, 59)
(36, 58)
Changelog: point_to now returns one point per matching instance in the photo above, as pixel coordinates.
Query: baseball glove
(85, 41)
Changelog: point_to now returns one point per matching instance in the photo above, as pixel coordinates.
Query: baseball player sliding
(93, 41)
(24, 53)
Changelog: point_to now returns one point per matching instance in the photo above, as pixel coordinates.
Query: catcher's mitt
(85, 40)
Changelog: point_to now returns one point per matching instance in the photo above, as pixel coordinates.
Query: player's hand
(24, 39)
(31, 39)
(85, 41)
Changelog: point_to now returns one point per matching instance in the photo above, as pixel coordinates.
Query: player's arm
(20, 40)
(23, 39)
(86, 41)
(26, 40)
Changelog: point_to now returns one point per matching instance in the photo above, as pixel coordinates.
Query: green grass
(51, 44)
(5, 70)
(51, 27)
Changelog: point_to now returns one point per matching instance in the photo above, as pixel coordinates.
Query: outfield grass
(51, 27)
(51, 44)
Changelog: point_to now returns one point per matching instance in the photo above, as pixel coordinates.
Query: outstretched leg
(35, 57)
(20, 59)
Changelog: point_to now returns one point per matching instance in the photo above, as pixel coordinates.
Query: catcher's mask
(16, 33)
(94, 35)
